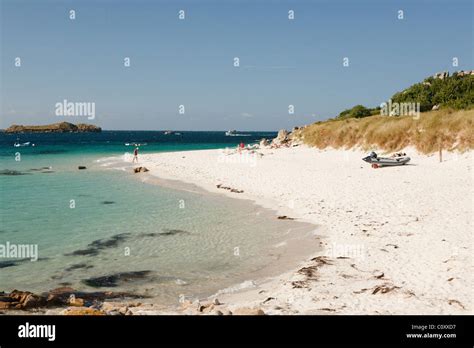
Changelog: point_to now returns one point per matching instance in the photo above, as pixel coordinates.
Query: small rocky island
(61, 127)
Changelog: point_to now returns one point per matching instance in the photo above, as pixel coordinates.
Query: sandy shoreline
(396, 240)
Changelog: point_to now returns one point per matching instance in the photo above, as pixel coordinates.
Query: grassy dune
(453, 130)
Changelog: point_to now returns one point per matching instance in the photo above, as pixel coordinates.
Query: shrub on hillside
(455, 92)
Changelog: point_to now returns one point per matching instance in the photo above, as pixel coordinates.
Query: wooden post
(440, 152)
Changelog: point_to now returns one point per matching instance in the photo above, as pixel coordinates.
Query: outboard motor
(370, 158)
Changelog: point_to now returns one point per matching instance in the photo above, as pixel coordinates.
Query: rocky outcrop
(441, 75)
(82, 311)
(288, 139)
(21, 300)
(282, 137)
(61, 127)
(263, 143)
(463, 73)
(445, 74)
(60, 297)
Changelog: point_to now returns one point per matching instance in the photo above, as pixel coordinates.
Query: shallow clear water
(103, 221)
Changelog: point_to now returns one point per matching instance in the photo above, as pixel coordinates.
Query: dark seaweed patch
(78, 266)
(96, 246)
(166, 232)
(172, 232)
(39, 169)
(109, 243)
(5, 264)
(12, 172)
(84, 252)
(50, 152)
(152, 234)
(12, 263)
(114, 280)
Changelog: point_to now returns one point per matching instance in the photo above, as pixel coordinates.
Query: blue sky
(190, 62)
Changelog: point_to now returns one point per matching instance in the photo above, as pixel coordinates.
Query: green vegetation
(358, 111)
(456, 92)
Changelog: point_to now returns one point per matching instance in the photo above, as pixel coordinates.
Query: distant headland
(61, 127)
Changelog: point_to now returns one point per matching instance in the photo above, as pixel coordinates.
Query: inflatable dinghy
(397, 160)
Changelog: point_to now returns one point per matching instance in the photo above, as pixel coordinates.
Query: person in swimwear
(135, 155)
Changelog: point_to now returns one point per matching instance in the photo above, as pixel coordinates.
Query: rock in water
(140, 170)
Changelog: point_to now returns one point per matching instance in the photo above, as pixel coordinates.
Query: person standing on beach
(135, 155)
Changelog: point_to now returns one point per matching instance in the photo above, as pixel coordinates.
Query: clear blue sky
(190, 62)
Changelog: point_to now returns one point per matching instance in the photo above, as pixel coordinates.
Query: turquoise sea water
(92, 225)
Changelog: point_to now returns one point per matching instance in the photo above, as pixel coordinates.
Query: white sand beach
(395, 240)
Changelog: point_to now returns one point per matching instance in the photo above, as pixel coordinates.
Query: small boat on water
(397, 159)
(233, 133)
(135, 144)
(17, 144)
